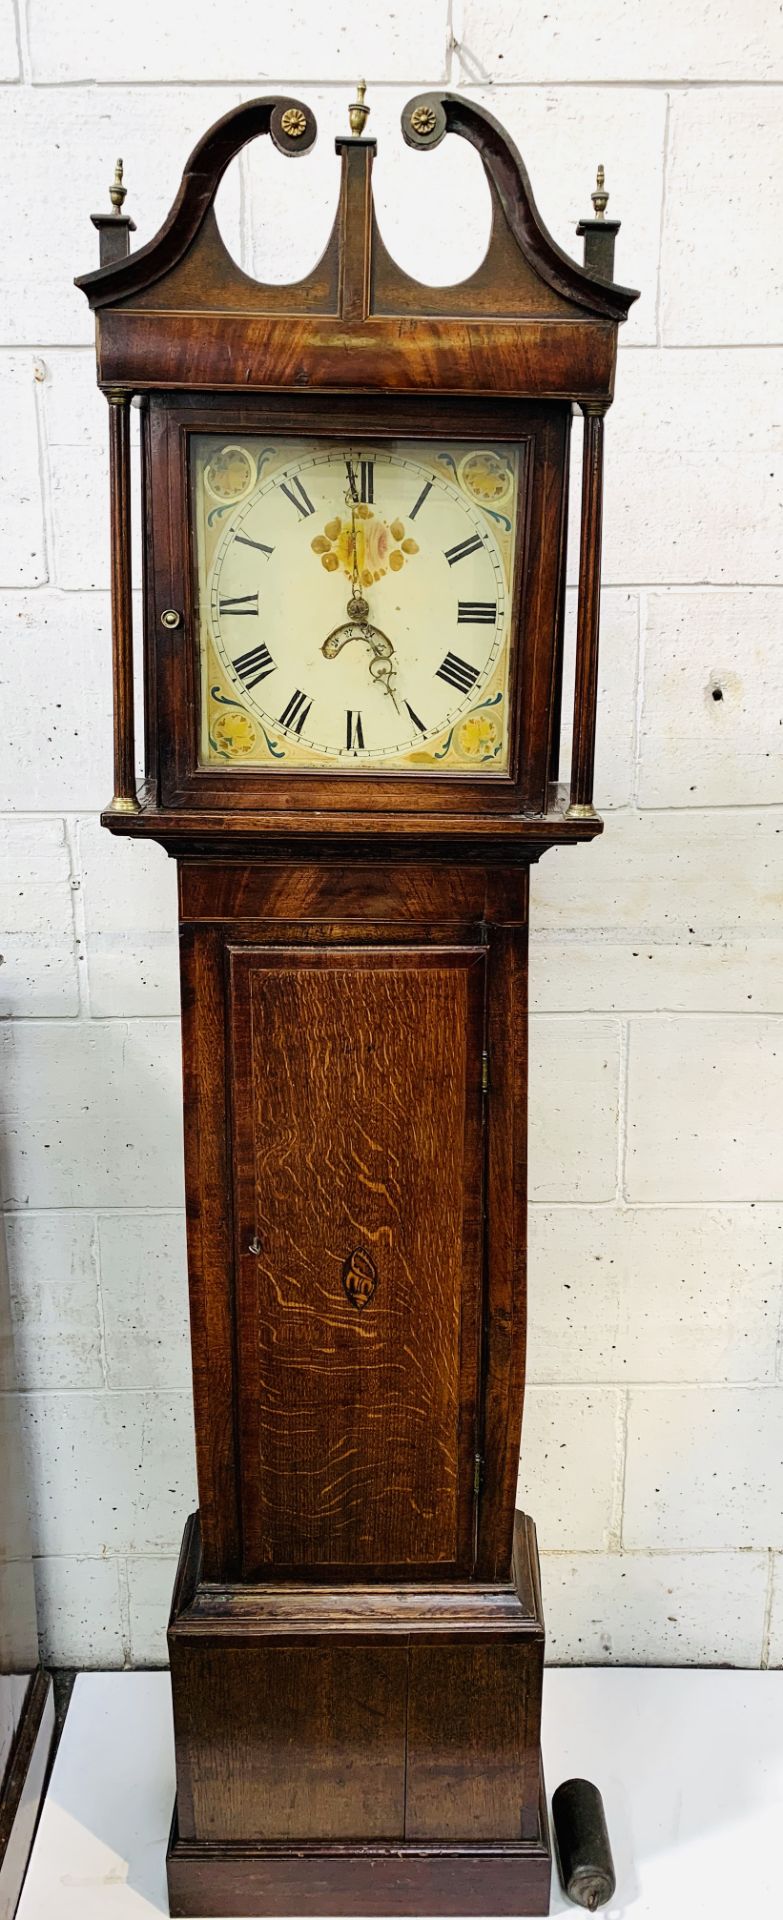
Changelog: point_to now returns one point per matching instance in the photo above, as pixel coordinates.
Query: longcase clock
(354, 513)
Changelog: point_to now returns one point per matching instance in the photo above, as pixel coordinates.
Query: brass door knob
(170, 617)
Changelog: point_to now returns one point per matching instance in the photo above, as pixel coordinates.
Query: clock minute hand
(383, 665)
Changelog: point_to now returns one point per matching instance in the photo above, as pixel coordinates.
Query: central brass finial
(117, 192)
(358, 112)
(600, 198)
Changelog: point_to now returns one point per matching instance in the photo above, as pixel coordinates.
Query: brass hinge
(478, 1463)
(485, 1072)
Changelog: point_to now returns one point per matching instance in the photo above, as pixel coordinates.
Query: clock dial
(354, 604)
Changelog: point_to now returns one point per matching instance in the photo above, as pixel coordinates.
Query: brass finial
(600, 197)
(117, 192)
(357, 111)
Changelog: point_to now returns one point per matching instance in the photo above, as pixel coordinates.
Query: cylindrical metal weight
(584, 1856)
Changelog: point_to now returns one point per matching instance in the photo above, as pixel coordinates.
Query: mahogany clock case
(356, 1634)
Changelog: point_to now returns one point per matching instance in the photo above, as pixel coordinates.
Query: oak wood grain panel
(469, 1741)
(357, 1128)
(506, 1247)
(300, 1612)
(293, 1743)
(210, 1245)
(287, 1611)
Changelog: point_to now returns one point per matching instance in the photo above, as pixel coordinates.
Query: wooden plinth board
(360, 1749)
(234, 1881)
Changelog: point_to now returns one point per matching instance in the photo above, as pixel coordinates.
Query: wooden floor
(690, 1765)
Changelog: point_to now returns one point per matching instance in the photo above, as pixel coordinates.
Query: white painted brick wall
(654, 1426)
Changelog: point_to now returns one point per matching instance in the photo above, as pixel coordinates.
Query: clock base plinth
(219, 1880)
(358, 1748)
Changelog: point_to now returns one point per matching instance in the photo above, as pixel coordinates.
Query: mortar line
(779, 1341)
(627, 811)
(42, 448)
(592, 1015)
(566, 1386)
(79, 916)
(246, 242)
(96, 1250)
(105, 1212)
(108, 1394)
(123, 1594)
(768, 1603)
(618, 1477)
(649, 1553)
(662, 222)
(702, 586)
(452, 44)
(625, 349)
(622, 1108)
(23, 43)
(642, 615)
(550, 83)
(720, 1204)
(585, 1387)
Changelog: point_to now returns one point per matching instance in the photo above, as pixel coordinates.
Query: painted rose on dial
(379, 548)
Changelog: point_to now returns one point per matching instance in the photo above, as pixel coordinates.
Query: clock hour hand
(382, 664)
(341, 637)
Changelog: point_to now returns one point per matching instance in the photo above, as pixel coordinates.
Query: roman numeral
(296, 712)
(479, 613)
(242, 603)
(366, 481)
(297, 496)
(415, 718)
(354, 734)
(460, 552)
(421, 499)
(458, 673)
(243, 540)
(254, 665)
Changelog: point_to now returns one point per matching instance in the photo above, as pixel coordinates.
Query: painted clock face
(354, 603)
